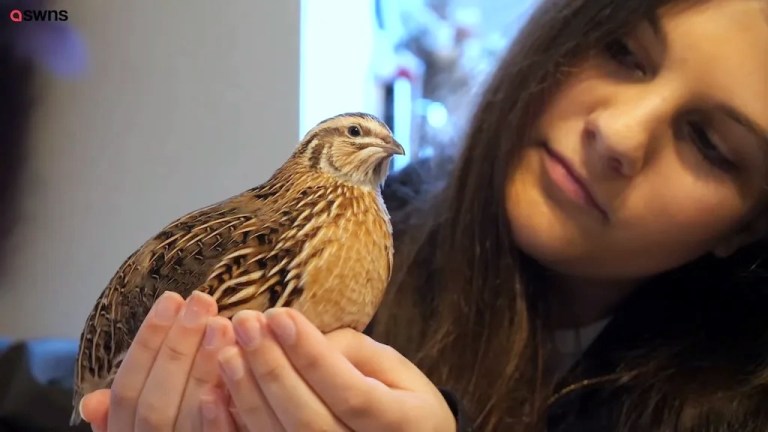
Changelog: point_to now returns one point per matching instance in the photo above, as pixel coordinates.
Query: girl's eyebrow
(654, 22)
(744, 121)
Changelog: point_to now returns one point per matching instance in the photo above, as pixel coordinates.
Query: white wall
(185, 103)
(339, 48)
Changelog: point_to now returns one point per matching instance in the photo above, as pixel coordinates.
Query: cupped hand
(284, 375)
(168, 367)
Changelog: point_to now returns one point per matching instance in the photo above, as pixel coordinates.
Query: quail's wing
(264, 269)
(240, 257)
(176, 259)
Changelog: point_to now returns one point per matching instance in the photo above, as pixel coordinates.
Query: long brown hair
(462, 303)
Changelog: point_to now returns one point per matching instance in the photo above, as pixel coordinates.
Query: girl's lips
(569, 181)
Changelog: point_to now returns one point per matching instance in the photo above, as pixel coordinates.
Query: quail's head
(354, 147)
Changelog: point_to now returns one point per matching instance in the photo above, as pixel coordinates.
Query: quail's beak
(393, 147)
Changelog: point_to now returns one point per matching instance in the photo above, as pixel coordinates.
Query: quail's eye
(354, 131)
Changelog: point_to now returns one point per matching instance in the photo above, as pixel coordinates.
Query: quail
(316, 236)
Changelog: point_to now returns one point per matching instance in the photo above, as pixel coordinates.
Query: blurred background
(145, 110)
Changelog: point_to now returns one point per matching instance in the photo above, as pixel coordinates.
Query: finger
(214, 413)
(137, 364)
(382, 363)
(252, 409)
(161, 396)
(204, 376)
(95, 409)
(283, 388)
(235, 413)
(348, 392)
(377, 360)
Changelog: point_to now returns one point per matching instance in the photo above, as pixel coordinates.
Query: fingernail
(232, 362)
(282, 325)
(166, 309)
(248, 330)
(212, 336)
(80, 409)
(195, 310)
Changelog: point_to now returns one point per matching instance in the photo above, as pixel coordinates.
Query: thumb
(379, 361)
(95, 409)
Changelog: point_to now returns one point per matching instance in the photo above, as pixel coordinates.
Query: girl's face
(654, 151)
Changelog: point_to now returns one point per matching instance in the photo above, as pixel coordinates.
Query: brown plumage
(316, 237)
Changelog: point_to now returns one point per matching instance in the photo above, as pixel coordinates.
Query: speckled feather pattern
(304, 239)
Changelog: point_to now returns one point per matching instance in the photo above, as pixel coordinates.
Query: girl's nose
(620, 137)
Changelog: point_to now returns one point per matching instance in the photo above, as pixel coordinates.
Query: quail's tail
(76, 418)
(87, 386)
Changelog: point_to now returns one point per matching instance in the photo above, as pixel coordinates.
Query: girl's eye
(704, 144)
(620, 52)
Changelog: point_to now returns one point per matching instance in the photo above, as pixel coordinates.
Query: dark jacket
(36, 385)
(703, 351)
(711, 366)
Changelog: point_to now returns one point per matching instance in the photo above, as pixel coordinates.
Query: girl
(593, 262)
